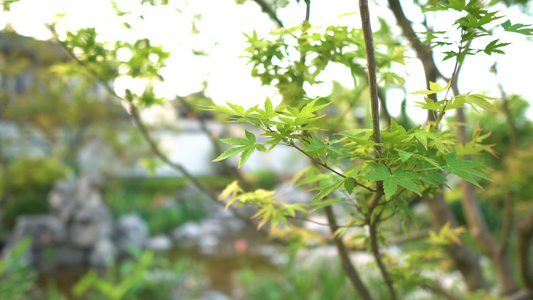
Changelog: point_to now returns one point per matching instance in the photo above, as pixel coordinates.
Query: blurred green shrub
(492, 218)
(17, 278)
(265, 179)
(317, 282)
(155, 200)
(23, 203)
(146, 276)
(33, 174)
(29, 180)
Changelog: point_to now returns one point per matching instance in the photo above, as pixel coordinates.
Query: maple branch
(346, 263)
(371, 218)
(323, 165)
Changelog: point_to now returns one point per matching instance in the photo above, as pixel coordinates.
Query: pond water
(234, 251)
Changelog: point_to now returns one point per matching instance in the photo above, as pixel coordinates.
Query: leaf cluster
(292, 56)
(414, 160)
(476, 21)
(268, 209)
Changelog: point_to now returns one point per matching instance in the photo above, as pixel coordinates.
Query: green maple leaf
(325, 191)
(246, 145)
(477, 100)
(466, 169)
(431, 105)
(391, 181)
(493, 47)
(434, 88)
(517, 28)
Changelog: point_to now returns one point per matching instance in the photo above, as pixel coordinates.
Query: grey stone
(214, 295)
(90, 225)
(78, 230)
(189, 230)
(159, 243)
(42, 229)
(131, 230)
(69, 197)
(62, 256)
(103, 253)
(212, 226)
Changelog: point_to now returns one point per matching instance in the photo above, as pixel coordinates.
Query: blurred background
(108, 215)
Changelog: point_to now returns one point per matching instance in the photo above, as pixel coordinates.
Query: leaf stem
(318, 162)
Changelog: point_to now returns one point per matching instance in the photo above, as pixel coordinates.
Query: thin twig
(326, 224)
(315, 161)
(453, 79)
(438, 289)
(414, 236)
(266, 8)
(423, 51)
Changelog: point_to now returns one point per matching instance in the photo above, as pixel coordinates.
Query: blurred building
(45, 113)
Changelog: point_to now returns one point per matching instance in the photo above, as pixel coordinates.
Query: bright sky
(221, 24)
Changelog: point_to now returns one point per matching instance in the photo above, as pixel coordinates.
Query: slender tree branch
(326, 224)
(411, 237)
(155, 149)
(423, 51)
(371, 218)
(372, 79)
(317, 162)
(476, 221)
(307, 10)
(437, 289)
(346, 263)
(269, 10)
(453, 85)
(374, 246)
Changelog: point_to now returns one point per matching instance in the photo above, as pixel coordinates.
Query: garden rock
(207, 233)
(103, 254)
(78, 231)
(42, 229)
(90, 225)
(214, 295)
(131, 231)
(159, 243)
